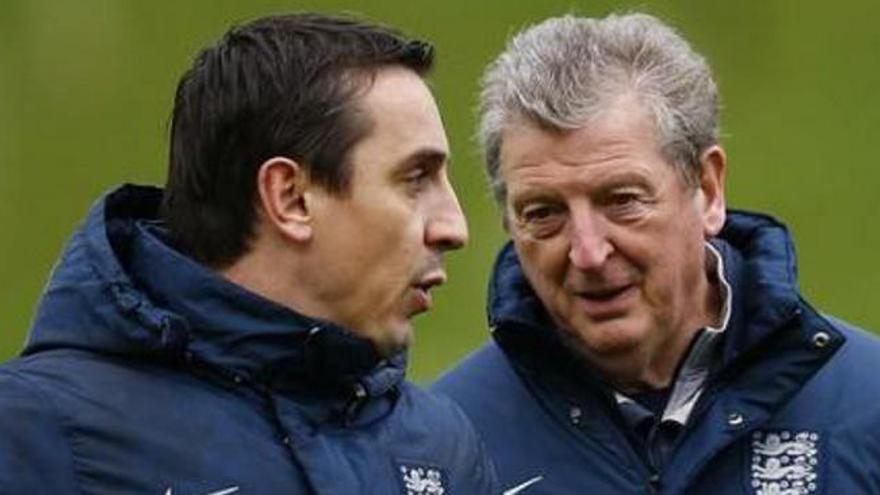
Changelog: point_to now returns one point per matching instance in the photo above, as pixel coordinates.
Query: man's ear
(282, 186)
(713, 165)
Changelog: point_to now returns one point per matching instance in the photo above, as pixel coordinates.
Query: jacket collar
(775, 342)
(763, 274)
(121, 288)
(759, 259)
(525, 331)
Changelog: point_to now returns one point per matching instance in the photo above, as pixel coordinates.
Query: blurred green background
(86, 88)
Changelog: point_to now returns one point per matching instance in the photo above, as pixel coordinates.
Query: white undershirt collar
(691, 379)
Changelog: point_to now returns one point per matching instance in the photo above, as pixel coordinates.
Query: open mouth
(422, 290)
(607, 301)
(424, 301)
(605, 294)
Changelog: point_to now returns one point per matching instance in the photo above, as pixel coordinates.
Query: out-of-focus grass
(86, 87)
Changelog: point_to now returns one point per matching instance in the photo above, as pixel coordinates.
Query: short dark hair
(278, 86)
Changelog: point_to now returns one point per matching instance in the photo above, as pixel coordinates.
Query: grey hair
(562, 73)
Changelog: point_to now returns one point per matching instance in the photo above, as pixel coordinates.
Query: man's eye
(417, 179)
(626, 205)
(536, 213)
(416, 175)
(540, 220)
(623, 199)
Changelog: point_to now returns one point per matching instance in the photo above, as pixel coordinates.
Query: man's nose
(589, 246)
(446, 227)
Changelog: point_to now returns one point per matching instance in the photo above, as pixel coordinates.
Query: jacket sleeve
(35, 455)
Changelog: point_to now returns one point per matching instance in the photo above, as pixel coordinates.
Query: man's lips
(422, 300)
(606, 302)
(422, 290)
(604, 293)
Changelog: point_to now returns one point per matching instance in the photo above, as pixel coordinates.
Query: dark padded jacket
(793, 410)
(147, 374)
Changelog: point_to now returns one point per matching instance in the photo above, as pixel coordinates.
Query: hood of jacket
(121, 289)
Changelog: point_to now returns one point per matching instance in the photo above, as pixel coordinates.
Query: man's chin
(394, 342)
(607, 340)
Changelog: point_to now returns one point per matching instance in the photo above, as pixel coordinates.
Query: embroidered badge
(785, 462)
(422, 480)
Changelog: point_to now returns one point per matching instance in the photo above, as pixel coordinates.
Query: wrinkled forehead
(618, 129)
(625, 132)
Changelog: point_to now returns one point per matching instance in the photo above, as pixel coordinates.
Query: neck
(653, 365)
(646, 370)
(261, 275)
(274, 272)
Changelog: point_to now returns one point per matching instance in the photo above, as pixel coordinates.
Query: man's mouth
(422, 290)
(423, 300)
(604, 294)
(606, 302)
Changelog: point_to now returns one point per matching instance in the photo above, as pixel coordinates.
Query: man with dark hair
(646, 339)
(244, 331)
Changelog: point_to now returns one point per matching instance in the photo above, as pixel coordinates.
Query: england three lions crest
(785, 462)
(421, 480)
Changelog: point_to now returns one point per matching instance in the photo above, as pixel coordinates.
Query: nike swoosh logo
(225, 491)
(519, 488)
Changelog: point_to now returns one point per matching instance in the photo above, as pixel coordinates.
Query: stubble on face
(375, 259)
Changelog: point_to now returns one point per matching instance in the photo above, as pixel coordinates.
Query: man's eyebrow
(431, 157)
(627, 179)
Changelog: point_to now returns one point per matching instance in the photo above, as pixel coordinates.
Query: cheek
(386, 229)
(674, 260)
(392, 250)
(544, 262)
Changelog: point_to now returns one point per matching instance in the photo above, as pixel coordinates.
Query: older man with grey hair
(645, 338)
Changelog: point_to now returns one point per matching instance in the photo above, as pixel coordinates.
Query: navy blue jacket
(146, 373)
(794, 408)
